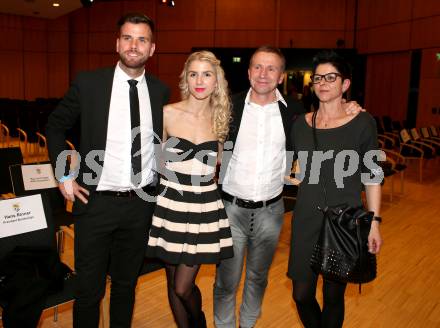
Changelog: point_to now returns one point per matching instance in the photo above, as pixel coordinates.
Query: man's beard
(130, 62)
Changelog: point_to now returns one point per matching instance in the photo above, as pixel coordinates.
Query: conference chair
(411, 149)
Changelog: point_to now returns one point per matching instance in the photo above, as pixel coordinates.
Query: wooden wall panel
(429, 89)
(363, 14)
(31, 23)
(171, 64)
(102, 41)
(11, 21)
(380, 12)
(310, 39)
(79, 21)
(387, 84)
(152, 65)
(312, 14)
(79, 42)
(59, 24)
(12, 38)
(144, 6)
(362, 41)
(57, 74)
(243, 39)
(57, 41)
(94, 61)
(188, 15)
(169, 68)
(430, 67)
(183, 41)
(11, 78)
(245, 15)
(389, 38)
(34, 40)
(425, 32)
(399, 84)
(58, 35)
(103, 16)
(426, 8)
(172, 81)
(429, 99)
(35, 75)
(109, 59)
(78, 62)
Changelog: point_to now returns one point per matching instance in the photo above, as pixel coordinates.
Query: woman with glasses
(337, 166)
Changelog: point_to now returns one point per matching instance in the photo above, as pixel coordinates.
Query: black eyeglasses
(329, 77)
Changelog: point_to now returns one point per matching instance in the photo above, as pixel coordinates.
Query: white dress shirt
(256, 169)
(116, 173)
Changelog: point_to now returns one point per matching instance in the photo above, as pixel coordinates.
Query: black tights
(184, 296)
(332, 314)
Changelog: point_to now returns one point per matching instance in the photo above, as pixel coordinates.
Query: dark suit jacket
(88, 99)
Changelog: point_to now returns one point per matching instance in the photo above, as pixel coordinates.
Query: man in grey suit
(120, 111)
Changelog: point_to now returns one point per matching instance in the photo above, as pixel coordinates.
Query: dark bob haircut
(336, 60)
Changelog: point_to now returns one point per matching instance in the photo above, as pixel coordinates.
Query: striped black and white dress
(189, 224)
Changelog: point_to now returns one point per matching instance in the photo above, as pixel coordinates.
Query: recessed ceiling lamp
(170, 3)
(56, 4)
(86, 3)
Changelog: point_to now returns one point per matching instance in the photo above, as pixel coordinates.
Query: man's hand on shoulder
(352, 107)
(71, 190)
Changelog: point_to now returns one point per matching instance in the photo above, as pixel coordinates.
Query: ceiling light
(56, 4)
(87, 3)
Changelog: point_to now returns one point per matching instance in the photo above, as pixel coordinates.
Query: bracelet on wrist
(66, 177)
(377, 218)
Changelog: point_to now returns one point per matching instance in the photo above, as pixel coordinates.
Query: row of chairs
(33, 152)
(405, 144)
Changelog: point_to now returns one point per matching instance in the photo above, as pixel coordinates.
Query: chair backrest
(433, 131)
(415, 134)
(425, 132)
(38, 238)
(8, 157)
(404, 135)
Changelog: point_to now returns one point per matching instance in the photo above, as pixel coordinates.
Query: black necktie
(136, 159)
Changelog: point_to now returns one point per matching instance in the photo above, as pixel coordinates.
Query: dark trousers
(110, 238)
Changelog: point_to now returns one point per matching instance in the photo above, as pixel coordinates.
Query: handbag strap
(315, 142)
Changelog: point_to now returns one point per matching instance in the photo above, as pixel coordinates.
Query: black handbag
(341, 252)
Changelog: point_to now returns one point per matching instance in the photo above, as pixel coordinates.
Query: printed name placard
(38, 176)
(21, 215)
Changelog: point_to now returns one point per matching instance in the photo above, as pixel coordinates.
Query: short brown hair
(136, 18)
(272, 50)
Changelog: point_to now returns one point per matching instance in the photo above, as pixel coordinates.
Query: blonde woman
(190, 226)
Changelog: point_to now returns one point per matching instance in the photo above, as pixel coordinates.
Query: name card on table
(21, 215)
(38, 176)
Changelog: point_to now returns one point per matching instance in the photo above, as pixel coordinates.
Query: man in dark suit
(120, 111)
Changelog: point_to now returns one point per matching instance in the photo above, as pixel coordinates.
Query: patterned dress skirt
(189, 224)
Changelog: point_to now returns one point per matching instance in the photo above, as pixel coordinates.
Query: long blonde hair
(219, 99)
